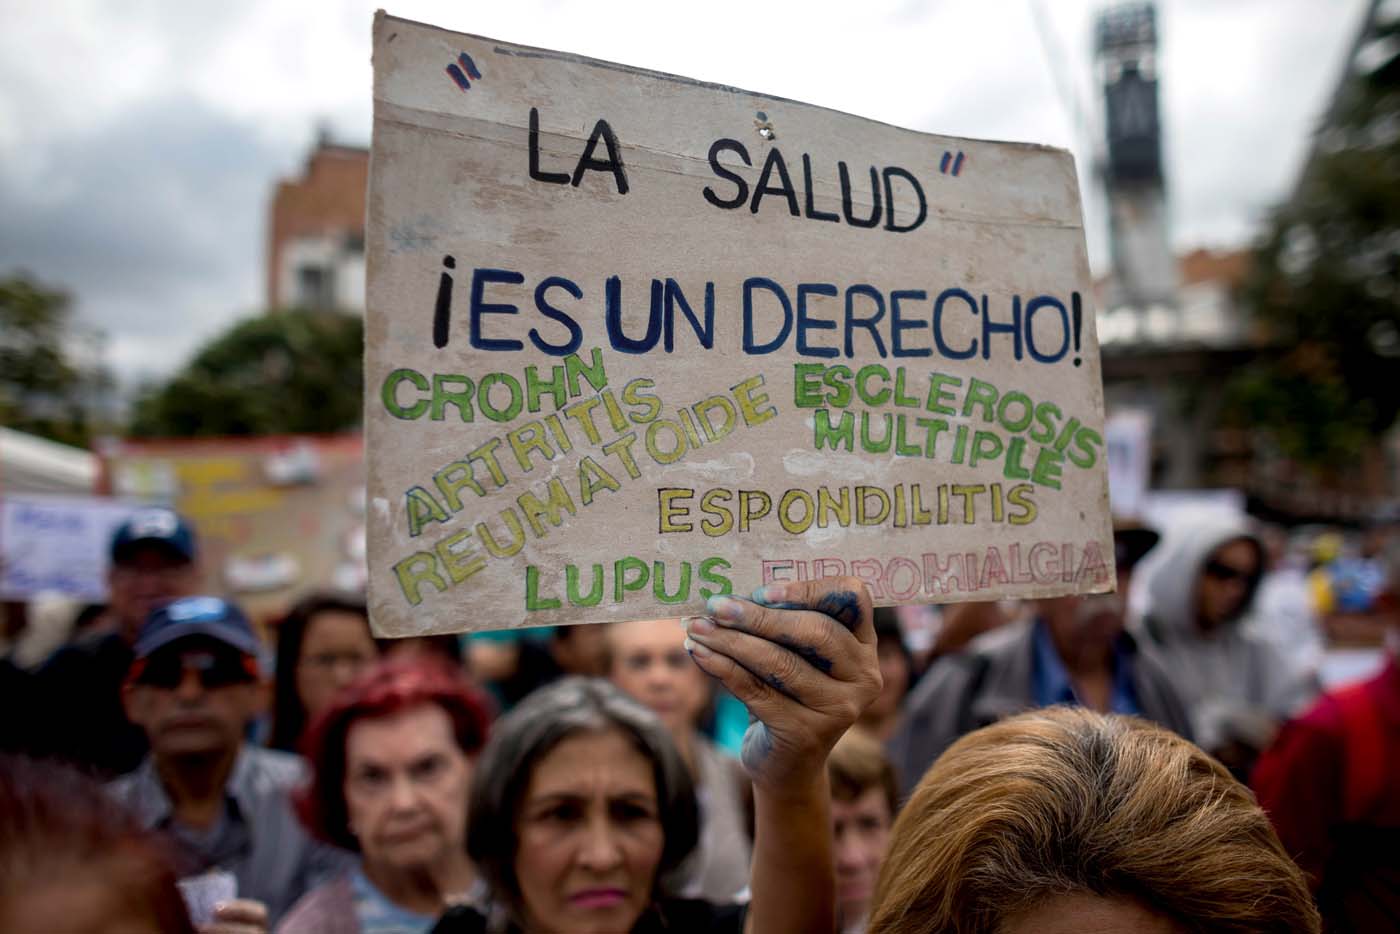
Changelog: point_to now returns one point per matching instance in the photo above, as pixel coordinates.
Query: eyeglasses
(1226, 573)
(213, 669)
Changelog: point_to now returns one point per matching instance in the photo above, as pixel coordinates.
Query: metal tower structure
(1144, 269)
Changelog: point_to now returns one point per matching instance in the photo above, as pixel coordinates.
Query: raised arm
(802, 657)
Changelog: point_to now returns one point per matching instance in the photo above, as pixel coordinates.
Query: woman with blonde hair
(1063, 820)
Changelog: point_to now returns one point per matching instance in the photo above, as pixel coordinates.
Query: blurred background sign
(1127, 436)
(57, 544)
(276, 516)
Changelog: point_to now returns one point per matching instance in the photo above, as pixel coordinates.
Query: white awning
(30, 464)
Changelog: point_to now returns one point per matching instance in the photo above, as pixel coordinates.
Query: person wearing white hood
(1237, 685)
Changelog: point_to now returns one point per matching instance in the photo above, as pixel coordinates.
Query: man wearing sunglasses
(194, 686)
(1236, 683)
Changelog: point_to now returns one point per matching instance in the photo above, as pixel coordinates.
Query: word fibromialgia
(826, 389)
(928, 575)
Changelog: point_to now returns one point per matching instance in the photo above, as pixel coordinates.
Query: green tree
(1326, 279)
(285, 372)
(44, 389)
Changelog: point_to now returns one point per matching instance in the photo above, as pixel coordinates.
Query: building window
(315, 287)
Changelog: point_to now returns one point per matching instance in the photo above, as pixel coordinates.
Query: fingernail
(770, 594)
(696, 649)
(725, 609)
(699, 625)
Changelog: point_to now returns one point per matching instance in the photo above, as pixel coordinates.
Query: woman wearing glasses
(322, 645)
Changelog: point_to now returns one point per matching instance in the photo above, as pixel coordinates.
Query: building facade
(316, 232)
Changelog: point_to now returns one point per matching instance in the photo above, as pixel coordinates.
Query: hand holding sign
(802, 656)
(803, 659)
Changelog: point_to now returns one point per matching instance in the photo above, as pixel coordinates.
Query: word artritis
(613, 434)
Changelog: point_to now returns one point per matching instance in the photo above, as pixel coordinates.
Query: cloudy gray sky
(140, 139)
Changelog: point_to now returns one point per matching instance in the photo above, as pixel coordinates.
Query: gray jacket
(992, 679)
(259, 839)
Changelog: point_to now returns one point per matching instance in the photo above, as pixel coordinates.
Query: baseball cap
(213, 617)
(157, 526)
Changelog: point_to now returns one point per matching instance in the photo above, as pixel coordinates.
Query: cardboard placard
(634, 339)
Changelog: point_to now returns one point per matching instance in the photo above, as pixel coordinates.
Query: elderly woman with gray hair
(580, 802)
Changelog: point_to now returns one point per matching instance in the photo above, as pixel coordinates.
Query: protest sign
(633, 340)
(275, 516)
(57, 544)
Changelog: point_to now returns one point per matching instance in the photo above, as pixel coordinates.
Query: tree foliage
(280, 373)
(44, 389)
(1326, 281)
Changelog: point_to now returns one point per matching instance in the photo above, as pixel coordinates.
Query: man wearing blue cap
(193, 688)
(153, 560)
(79, 708)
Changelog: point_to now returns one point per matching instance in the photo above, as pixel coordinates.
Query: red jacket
(1331, 785)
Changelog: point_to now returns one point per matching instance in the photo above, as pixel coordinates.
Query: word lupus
(629, 575)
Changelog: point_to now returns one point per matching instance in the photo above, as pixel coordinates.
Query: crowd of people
(1161, 758)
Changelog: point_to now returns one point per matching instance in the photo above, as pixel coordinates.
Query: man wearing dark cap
(79, 708)
(153, 560)
(193, 687)
(1075, 651)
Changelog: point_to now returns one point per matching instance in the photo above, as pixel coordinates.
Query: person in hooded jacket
(1237, 685)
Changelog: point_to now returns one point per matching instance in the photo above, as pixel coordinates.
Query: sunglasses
(1226, 573)
(213, 669)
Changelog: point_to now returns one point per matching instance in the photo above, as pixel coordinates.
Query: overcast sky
(140, 139)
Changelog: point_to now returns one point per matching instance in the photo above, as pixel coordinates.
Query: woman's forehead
(404, 733)
(602, 763)
(646, 634)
